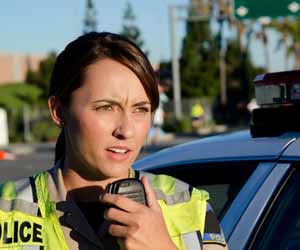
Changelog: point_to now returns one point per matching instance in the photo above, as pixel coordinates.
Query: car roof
(236, 146)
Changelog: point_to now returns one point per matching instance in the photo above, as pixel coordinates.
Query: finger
(118, 216)
(118, 230)
(121, 202)
(150, 195)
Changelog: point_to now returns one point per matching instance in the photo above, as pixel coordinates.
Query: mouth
(119, 153)
(118, 150)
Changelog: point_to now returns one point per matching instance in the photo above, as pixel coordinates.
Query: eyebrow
(142, 103)
(106, 100)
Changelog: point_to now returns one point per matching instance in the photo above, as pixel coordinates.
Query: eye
(141, 110)
(106, 107)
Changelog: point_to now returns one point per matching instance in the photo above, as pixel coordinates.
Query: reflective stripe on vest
(21, 225)
(31, 248)
(23, 189)
(183, 207)
(19, 205)
(18, 196)
(192, 240)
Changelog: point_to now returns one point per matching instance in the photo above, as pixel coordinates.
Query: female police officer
(103, 93)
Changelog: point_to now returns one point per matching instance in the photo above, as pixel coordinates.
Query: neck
(81, 188)
(74, 180)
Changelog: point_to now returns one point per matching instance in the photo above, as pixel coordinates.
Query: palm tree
(290, 34)
(262, 35)
(282, 26)
(295, 46)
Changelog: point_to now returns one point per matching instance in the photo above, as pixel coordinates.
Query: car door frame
(250, 217)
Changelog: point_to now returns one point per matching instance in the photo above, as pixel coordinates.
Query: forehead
(107, 78)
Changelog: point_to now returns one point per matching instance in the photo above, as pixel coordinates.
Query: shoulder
(172, 190)
(19, 195)
(18, 189)
(21, 189)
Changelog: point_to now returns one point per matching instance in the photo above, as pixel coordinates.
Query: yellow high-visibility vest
(32, 224)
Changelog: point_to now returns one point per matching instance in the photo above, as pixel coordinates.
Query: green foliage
(41, 126)
(240, 71)
(199, 61)
(15, 125)
(41, 78)
(200, 73)
(15, 96)
(175, 126)
(130, 29)
(185, 125)
(44, 130)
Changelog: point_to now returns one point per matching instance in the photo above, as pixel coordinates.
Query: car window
(280, 228)
(223, 181)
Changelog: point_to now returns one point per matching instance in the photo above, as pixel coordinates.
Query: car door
(279, 227)
(261, 224)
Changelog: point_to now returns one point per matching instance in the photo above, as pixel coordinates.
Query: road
(38, 157)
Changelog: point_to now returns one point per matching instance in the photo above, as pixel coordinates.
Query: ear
(56, 110)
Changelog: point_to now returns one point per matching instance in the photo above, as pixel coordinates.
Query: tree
(16, 98)
(41, 77)
(130, 29)
(199, 61)
(200, 71)
(262, 35)
(240, 73)
(290, 30)
(282, 27)
(16, 95)
(90, 20)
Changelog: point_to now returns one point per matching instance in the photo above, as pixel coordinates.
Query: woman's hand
(138, 226)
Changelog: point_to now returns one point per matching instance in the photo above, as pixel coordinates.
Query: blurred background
(206, 54)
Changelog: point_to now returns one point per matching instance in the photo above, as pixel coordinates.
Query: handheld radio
(130, 188)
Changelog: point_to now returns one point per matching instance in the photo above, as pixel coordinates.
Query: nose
(125, 127)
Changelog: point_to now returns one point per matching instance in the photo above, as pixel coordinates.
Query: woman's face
(107, 121)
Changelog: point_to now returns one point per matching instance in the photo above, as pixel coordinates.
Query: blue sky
(34, 26)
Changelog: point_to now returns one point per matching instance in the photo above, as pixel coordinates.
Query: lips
(119, 149)
(118, 153)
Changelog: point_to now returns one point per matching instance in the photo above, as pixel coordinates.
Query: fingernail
(105, 214)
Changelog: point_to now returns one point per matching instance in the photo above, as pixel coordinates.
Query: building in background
(14, 67)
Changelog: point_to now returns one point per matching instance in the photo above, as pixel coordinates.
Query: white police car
(253, 177)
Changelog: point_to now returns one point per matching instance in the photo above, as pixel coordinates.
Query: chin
(115, 171)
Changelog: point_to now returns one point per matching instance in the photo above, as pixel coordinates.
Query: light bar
(278, 88)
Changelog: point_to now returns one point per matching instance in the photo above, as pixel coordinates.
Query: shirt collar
(56, 185)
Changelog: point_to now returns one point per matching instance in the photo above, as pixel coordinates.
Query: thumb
(150, 194)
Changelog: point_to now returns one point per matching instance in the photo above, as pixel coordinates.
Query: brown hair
(71, 64)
